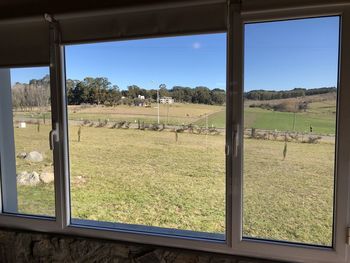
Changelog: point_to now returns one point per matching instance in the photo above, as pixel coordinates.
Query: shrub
(101, 124)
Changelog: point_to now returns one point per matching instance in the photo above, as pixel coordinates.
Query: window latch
(53, 136)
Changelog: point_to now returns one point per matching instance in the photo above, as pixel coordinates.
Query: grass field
(146, 177)
(320, 115)
(174, 114)
(150, 178)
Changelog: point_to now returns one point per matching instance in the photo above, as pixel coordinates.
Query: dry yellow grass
(177, 113)
(146, 177)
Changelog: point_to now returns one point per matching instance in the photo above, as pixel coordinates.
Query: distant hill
(285, 94)
(293, 104)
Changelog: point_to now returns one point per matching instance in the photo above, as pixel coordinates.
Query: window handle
(235, 140)
(53, 136)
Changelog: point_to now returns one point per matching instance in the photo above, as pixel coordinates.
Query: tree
(97, 89)
(178, 93)
(201, 95)
(163, 92)
(218, 96)
(133, 91)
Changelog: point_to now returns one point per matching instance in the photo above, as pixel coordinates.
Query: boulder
(47, 177)
(25, 178)
(34, 157)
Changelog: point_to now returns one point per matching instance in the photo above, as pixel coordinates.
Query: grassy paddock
(146, 177)
(174, 114)
(289, 199)
(321, 122)
(39, 199)
(321, 115)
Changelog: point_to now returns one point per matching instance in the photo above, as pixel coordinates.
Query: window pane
(147, 132)
(290, 125)
(30, 91)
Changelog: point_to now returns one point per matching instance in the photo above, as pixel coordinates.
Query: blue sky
(278, 55)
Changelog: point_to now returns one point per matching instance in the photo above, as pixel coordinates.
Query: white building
(166, 100)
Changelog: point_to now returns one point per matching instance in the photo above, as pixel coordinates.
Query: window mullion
(7, 146)
(342, 188)
(57, 75)
(235, 92)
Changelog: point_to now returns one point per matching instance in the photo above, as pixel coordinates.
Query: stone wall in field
(18, 246)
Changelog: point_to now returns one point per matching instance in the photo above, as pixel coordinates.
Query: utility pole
(167, 114)
(158, 103)
(160, 86)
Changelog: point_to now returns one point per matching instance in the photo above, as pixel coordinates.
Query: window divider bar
(57, 84)
(229, 128)
(342, 183)
(235, 121)
(7, 146)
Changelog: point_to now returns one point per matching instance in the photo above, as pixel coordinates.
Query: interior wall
(18, 246)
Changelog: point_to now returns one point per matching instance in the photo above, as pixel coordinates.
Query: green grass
(320, 116)
(146, 177)
(35, 200)
(288, 199)
(283, 121)
(217, 119)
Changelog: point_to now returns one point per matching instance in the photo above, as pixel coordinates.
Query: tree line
(100, 91)
(286, 94)
(34, 94)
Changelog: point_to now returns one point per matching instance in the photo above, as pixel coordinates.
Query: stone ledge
(17, 246)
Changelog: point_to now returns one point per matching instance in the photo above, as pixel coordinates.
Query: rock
(22, 155)
(78, 180)
(47, 177)
(34, 157)
(25, 178)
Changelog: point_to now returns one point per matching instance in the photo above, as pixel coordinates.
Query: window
(147, 132)
(224, 133)
(291, 71)
(30, 177)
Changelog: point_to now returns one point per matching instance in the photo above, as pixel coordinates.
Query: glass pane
(32, 124)
(147, 132)
(291, 70)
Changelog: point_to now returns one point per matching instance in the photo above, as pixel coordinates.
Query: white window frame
(303, 252)
(234, 244)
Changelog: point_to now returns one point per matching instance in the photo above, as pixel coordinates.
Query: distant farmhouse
(166, 100)
(142, 102)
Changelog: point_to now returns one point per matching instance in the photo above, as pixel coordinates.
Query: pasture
(147, 177)
(160, 178)
(320, 115)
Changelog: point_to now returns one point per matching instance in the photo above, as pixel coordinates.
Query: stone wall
(18, 246)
